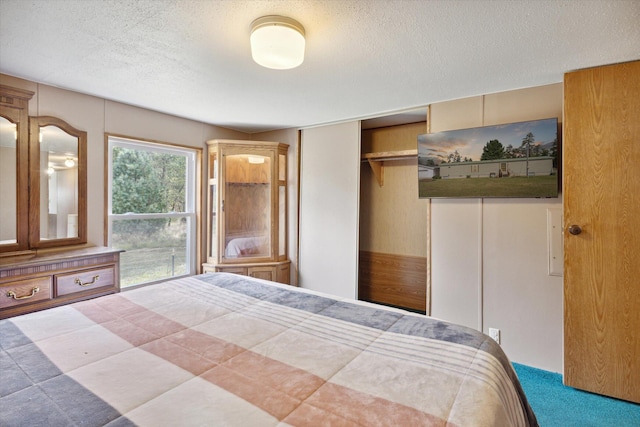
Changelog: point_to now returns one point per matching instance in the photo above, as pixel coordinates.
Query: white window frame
(190, 193)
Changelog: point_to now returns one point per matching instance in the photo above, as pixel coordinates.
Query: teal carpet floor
(556, 405)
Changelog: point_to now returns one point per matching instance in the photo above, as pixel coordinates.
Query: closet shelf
(390, 155)
(376, 161)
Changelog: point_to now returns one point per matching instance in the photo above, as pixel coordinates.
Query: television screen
(510, 160)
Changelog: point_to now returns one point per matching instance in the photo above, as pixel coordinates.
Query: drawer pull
(12, 294)
(95, 279)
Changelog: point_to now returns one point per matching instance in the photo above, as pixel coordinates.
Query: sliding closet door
(329, 188)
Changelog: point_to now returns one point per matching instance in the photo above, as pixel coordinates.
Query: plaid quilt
(226, 350)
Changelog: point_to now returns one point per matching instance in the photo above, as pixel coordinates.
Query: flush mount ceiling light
(69, 162)
(277, 42)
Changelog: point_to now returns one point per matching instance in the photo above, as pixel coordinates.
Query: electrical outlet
(495, 334)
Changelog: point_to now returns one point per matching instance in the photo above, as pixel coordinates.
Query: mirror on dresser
(14, 173)
(45, 260)
(58, 176)
(8, 175)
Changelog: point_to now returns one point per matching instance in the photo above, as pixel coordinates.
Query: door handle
(575, 230)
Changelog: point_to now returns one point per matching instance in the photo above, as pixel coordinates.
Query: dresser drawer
(26, 291)
(84, 280)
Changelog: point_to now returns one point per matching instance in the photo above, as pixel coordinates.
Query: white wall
(97, 116)
(519, 297)
(489, 256)
(329, 188)
(456, 260)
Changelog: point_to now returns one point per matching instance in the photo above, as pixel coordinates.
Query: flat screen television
(510, 160)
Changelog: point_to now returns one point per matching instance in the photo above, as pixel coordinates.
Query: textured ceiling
(364, 58)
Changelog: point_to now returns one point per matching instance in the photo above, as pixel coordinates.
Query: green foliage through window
(147, 182)
(152, 213)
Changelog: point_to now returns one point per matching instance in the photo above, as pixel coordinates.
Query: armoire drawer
(235, 270)
(278, 271)
(260, 272)
(26, 291)
(80, 281)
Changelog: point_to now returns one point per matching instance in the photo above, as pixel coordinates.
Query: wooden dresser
(48, 279)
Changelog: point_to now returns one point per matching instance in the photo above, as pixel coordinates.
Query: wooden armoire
(601, 161)
(247, 209)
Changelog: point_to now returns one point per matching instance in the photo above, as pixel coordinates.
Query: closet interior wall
(392, 267)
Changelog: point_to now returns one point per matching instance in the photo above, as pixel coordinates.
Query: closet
(392, 266)
(601, 183)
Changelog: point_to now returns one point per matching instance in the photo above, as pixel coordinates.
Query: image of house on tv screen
(510, 160)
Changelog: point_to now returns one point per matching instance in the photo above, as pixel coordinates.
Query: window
(151, 209)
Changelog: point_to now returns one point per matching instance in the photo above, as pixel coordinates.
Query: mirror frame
(14, 106)
(35, 123)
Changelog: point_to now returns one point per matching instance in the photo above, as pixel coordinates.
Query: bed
(247, 246)
(221, 349)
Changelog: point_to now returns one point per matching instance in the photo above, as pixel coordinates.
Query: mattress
(222, 349)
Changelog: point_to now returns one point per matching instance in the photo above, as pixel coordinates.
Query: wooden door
(602, 259)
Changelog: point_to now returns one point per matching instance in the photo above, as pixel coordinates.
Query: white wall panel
(455, 232)
(456, 260)
(127, 120)
(490, 256)
(520, 297)
(329, 188)
(542, 102)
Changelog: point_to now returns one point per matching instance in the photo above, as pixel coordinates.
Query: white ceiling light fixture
(69, 162)
(277, 42)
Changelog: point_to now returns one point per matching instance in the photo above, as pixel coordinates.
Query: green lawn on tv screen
(520, 186)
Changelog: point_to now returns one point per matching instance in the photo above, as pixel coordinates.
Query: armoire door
(602, 230)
